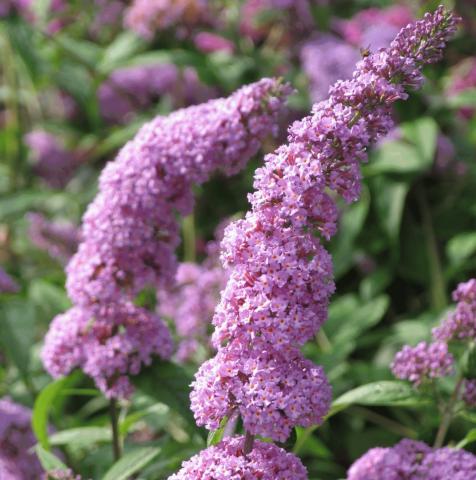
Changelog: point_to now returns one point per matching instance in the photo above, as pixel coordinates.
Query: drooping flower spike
(281, 276)
(130, 231)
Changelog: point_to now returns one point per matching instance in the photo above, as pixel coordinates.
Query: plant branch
(448, 415)
(116, 440)
(438, 285)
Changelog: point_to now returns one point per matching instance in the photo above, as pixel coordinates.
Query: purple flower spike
(130, 231)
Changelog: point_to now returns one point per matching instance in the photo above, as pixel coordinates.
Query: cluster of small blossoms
(59, 240)
(469, 394)
(428, 361)
(208, 42)
(108, 13)
(326, 59)
(61, 475)
(375, 27)
(256, 24)
(132, 89)
(191, 301)
(423, 362)
(413, 460)
(109, 343)
(17, 462)
(227, 460)
(26, 9)
(130, 231)
(463, 78)
(146, 17)
(445, 158)
(8, 7)
(51, 160)
(281, 276)
(461, 323)
(7, 284)
(273, 390)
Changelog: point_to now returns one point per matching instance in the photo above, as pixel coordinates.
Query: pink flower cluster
(326, 59)
(461, 323)
(428, 361)
(256, 24)
(7, 284)
(375, 27)
(109, 344)
(469, 394)
(59, 240)
(132, 89)
(463, 78)
(51, 160)
(17, 462)
(61, 475)
(130, 231)
(412, 460)
(146, 17)
(273, 390)
(227, 461)
(191, 301)
(281, 276)
(423, 362)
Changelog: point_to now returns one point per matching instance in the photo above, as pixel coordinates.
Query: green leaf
(215, 436)
(423, 133)
(469, 438)
(383, 393)
(124, 47)
(47, 298)
(350, 225)
(390, 198)
(17, 324)
(82, 51)
(159, 410)
(396, 157)
(463, 99)
(168, 383)
(81, 436)
(48, 460)
(131, 463)
(16, 204)
(461, 247)
(41, 410)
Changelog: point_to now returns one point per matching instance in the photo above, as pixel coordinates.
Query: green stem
(389, 424)
(448, 415)
(438, 284)
(116, 439)
(189, 240)
(300, 442)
